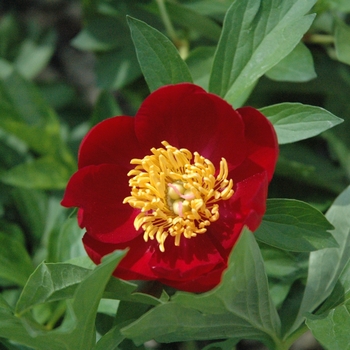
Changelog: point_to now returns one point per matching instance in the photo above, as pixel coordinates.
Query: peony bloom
(175, 185)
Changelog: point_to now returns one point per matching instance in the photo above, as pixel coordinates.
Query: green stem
(294, 336)
(182, 45)
(56, 315)
(167, 21)
(320, 39)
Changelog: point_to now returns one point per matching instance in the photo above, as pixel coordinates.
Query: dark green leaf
(106, 106)
(294, 226)
(256, 36)
(186, 17)
(295, 121)
(101, 33)
(298, 66)
(117, 68)
(159, 60)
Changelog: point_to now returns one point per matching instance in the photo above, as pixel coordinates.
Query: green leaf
(199, 63)
(332, 328)
(295, 121)
(101, 33)
(35, 54)
(106, 106)
(294, 226)
(159, 60)
(342, 42)
(43, 173)
(188, 18)
(77, 330)
(298, 66)
(334, 315)
(15, 263)
(67, 244)
(325, 266)
(50, 282)
(256, 36)
(111, 339)
(58, 281)
(117, 68)
(240, 307)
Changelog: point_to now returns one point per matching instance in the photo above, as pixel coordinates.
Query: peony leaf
(298, 66)
(256, 36)
(294, 226)
(220, 313)
(159, 60)
(342, 42)
(15, 263)
(43, 173)
(325, 266)
(52, 282)
(295, 121)
(332, 328)
(334, 315)
(77, 330)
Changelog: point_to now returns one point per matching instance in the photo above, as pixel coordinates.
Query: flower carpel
(177, 193)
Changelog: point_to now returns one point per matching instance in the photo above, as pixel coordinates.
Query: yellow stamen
(177, 193)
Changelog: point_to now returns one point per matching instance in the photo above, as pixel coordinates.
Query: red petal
(99, 192)
(194, 257)
(188, 117)
(112, 141)
(135, 265)
(262, 144)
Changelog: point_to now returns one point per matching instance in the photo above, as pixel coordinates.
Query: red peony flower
(175, 185)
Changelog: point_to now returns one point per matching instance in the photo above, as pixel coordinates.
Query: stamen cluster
(177, 193)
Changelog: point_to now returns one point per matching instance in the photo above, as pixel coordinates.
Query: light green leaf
(240, 307)
(77, 330)
(159, 60)
(50, 282)
(342, 42)
(58, 281)
(34, 55)
(325, 266)
(295, 121)
(298, 66)
(294, 226)
(43, 173)
(332, 328)
(256, 36)
(67, 244)
(15, 263)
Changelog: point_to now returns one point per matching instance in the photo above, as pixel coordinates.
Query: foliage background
(66, 65)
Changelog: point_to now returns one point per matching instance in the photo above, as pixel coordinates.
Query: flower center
(177, 193)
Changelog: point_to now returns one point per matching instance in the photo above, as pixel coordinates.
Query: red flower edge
(188, 117)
